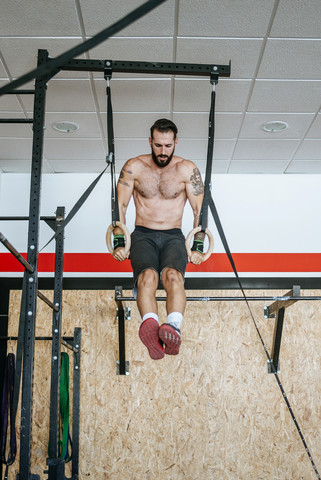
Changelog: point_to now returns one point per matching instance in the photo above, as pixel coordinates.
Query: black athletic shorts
(157, 249)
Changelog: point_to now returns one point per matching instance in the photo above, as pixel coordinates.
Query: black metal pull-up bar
(159, 68)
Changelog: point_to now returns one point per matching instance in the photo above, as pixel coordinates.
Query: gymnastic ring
(210, 240)
(125, 231)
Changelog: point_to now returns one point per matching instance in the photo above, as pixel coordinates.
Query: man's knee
(172, 278)
(148, 279)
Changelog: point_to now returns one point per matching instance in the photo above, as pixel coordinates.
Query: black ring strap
(111, 145)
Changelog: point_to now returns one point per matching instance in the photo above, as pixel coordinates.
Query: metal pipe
(229, 299)
(47, 301)
(26, 218)
(16, 120)
(15, 253)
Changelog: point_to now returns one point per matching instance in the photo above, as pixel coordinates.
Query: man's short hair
(164, 125)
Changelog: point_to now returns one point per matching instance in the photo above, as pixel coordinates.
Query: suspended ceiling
(274, 47)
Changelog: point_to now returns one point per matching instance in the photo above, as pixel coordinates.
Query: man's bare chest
(164, 186)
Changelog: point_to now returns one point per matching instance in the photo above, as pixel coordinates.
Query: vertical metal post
(31, 284)
(122, 365)
(56, 346)
(76, 405)
(278, 327)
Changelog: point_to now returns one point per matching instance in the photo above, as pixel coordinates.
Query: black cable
(56, 63)
(229, 255)
(208, 202)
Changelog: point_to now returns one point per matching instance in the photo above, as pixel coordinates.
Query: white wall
(259, 213)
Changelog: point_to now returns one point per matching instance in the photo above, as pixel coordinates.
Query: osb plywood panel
(210, 413)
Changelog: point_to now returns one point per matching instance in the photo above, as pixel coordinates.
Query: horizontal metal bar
(277, 305)
(229, 299)
(15, 253)
(68, 345)
(21, 92)
(47, 301)
(9, 218)
(16, 120)
(8, 337)
(159, 68)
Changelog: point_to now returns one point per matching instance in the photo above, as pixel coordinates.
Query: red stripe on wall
(218, 262)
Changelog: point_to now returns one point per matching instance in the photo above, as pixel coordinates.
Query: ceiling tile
(74, 149)
(136, 95)
(137, 49)
(129, 148)
(257, 166)
(157, 23)
(195, 95)
(77, 166)
(305, 166)
(310, 150)
(39, 18)
(69, 96)
(19, 149)
(224, 18)
(195, 125)
(243, 53)
(15, 129)
(87, 122)
(3, 73)
(260, 149)
(297, 18)
(285, 96)
(21, 54)
(133, 124)
(315, 130)
(218, 166)
(9, 103)
(298, 125)
(196, 149)
(291, 59)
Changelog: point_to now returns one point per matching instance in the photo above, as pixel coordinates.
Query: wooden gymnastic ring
(210, 239)
(125, 231)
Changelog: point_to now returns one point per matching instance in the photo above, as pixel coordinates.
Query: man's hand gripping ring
(210, 240)
(125, 232)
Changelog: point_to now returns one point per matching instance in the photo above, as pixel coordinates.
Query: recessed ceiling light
(65, 127)
(274, 126)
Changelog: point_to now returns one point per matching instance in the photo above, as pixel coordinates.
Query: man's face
(163, 147)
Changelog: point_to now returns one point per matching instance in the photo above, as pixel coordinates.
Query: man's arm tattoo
(197, 183)
(121, 176)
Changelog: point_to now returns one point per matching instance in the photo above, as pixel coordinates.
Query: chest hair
(163, 185)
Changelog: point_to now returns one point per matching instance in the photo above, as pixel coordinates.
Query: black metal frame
(277, 311)
(159, 68)
(122, 315)
(30, 289)
(31, 284)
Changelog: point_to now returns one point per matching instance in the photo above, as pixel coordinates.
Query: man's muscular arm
(125, 188)
(195, 195)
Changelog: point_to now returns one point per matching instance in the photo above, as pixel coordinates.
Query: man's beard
(163, 163)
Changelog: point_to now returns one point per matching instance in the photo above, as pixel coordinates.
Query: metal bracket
(277, 311)
(126, 368)
(121, 315)
(108, 70)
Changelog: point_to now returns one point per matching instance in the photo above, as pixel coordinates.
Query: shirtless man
(160, 184)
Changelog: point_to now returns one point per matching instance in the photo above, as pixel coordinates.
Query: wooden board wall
(210, 413)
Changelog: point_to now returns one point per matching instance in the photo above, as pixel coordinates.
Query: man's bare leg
(169, 332)
(173, 283)
(147, 284)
